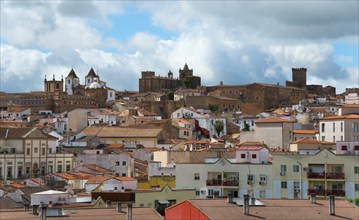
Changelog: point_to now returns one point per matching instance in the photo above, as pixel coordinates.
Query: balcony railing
(316, 175)
(335, 175)
(214, 182)
(222, 183)
(230, 183)
(325, 175)
(336, 192)
(318, 192)
(322, 192)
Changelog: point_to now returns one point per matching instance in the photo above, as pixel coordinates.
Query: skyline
(234, 42)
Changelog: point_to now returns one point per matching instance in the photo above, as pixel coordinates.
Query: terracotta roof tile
(273, 120)
(305, 131)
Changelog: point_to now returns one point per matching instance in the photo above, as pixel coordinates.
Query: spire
(53, 77)
(91, 73)
(185, 67)
(45, 79)
(72, 74)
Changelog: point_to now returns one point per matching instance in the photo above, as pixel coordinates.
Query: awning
(163, 202)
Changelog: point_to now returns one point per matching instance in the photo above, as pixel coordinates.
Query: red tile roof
(250, 148)
(351, 116)
(305, 131)
(273, 120)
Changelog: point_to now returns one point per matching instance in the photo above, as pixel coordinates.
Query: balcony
(335, 175)
(336, 192)
(230, 183)
(322, 192)
(214, 182)
(316, 175)
(318, 192)
(222, 183)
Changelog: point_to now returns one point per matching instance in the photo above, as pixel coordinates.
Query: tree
(213, 107)
(218, 126)
(170, 95)
(246, 127)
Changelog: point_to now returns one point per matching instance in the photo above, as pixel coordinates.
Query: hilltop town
(177, 145)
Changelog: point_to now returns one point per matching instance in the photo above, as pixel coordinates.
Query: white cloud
(235, 42)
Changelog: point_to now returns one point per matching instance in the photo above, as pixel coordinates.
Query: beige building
(310, 146)
(274, 132)
(25, 152)
(323, 173)
(339, 128)
(219, 177)
(308, 134)
(127, 136)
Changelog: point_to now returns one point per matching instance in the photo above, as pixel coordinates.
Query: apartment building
(219, 177)
(25, 152)
(323, 173)
(339, 128)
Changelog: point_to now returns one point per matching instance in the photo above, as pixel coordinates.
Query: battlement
(145, 74)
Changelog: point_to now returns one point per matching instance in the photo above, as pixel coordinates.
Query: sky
(237, 42)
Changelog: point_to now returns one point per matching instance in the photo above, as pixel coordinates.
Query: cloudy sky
(236, 42)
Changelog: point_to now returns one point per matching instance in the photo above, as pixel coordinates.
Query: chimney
(246, 205)
(43, 208)
(34, 209)
(108, 203)
(230, 197)
(313, 198)
(129, 212)
(331, 205)
(119, 208)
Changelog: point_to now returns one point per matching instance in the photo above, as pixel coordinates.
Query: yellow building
(162, 198)
(324, 173)
(25, 152)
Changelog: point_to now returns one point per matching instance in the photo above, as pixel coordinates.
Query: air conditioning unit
(282, 173)
(262, 183)
(305, 169)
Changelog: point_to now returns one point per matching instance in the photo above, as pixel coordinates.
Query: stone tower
(299, 76)
(71, 81)
(54, 86)
(185, 72)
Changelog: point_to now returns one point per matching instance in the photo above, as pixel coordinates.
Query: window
(243, 155)
(323, 127)
(250, 177)
(355, 127)
(35, 150)
(27, 170)
(117, 163)
(295, 168)
(283, 184)
(50, 151)
(341, 126)
(296, 185)
(341, 138)
(197, 193)
(333, 126)
(123, 174)
(323, 138)
(262, 178)
(196, 176)
(123, 163)
(43, 151)
(262, 194)
(344, 147)
(254, 156)
(356, 187)
(59, 168)
(356, 147)
(27, 151)
(356, 170)
(333, 138)
(68, 167)
(210, 192)
(283, 168)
